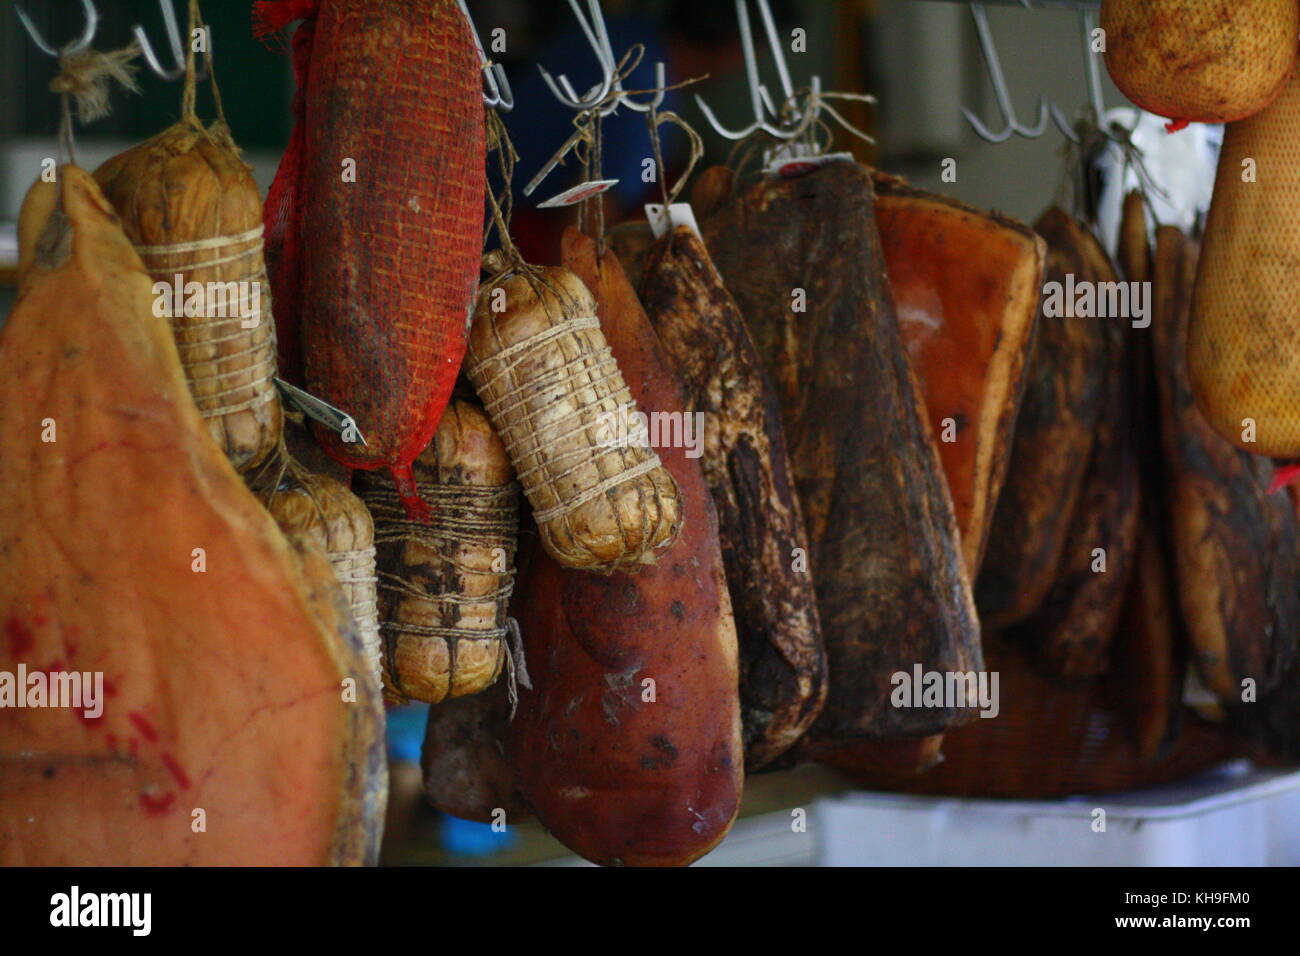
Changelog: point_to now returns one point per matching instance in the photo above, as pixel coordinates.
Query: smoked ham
(1072, 628)
(628, 746)
(966, 285)
(1234, 544)
(802, 259)
(737, 426)
(234, 681)
(1055, 429)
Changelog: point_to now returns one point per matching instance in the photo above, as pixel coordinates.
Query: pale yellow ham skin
(224, 689)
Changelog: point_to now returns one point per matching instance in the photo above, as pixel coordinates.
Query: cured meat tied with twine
(190, 206)
(377, 271)
(332, 518)
(539, 361)
(444, 585)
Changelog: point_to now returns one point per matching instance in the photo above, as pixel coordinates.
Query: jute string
(535, 448)
(84, 79)
(810, 129)
(353, 568)
(474, 517)
(258, 388)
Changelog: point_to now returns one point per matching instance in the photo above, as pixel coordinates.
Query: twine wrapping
(355, 571)
(196, 352)
(466, 518)
(534, 448)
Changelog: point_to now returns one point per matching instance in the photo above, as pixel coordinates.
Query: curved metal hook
(562, 89)
(1000, 92)
(1092, 68)
(757, 92)
(497, 94)
(81, 43)
(173, 32)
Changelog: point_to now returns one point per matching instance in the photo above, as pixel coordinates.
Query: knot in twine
(85, 76)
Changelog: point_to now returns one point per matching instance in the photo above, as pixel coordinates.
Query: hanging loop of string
(189, 93)
(654, 119)
(1090, 139)
(801, 117)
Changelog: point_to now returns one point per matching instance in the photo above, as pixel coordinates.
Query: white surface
(1236, 816)
(1181, 165)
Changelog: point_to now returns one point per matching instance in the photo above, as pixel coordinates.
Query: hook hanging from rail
(1092, 68)
(758, 95)
(81, 43)
(1000, 91)
(174, 44)
(497, 94)
(562, 89)
(597, 34)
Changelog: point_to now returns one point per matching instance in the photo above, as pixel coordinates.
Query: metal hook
(1000, 91)
(82, 43)
(497, 95)
(563, 91)
(173, 41)
(598, 35)
(758, 95)
(1096, 100)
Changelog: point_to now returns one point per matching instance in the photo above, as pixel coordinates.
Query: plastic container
(1236, 815)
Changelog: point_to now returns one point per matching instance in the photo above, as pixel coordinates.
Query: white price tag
(784, 163)
(578, 193)
(678, 214)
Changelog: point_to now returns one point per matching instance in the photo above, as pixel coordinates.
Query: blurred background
(919, 57)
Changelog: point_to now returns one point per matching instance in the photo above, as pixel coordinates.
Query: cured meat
(1242, 352)
(1062, 398)
(337, 523)
(1048, 742)
(233, 679)
(466, 772)
(554, 391)
(632, 242)
(1234, 544)
(194, 212)
(386, 165)
(629, 746)
(966, 285)
(1149, 658)
(1207, 61)
(444, 584)
(1072, 628)
(743, 451)
(892, 590)
(1134, 247)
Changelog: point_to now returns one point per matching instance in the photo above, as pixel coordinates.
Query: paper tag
(332, 418)
(789, 162)
(578, 193)
(679, 214)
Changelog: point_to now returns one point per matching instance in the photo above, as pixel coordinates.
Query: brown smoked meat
(802, 259)
(743, 451)
(628, 745)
